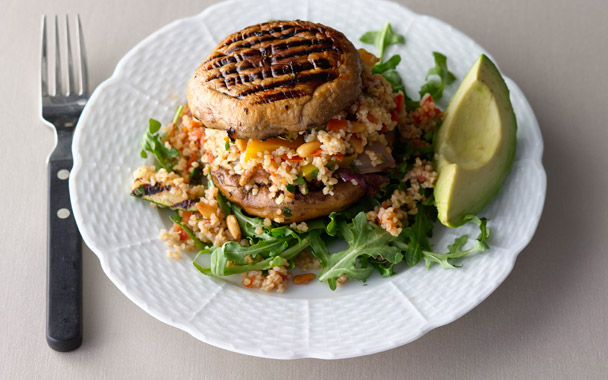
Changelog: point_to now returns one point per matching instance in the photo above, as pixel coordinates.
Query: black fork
(62, 105)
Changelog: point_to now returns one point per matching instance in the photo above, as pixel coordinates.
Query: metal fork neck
(63, 149)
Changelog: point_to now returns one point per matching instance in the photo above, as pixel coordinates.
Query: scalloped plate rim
(430, 324)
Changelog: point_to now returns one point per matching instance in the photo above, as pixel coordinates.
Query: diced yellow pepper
(269, 145)
(308, 171)
(368, 58)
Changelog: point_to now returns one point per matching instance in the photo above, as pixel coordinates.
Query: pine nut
(233, 227)
(308, 148)
(303, 279)
(205, 209)
(242, 144)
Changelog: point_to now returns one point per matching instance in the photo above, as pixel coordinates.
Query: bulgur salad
(381, 143)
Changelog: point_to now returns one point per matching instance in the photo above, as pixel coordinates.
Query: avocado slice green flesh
(475, 145)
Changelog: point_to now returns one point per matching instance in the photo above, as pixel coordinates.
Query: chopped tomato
(335, 125)
(197, 133)
(210, 157)
(372, 118)
(294, 158)
(338, 157)
(399, 106)
(183, 235)
(316, 153)
(399, 102)
(190, 161)
(186, 216)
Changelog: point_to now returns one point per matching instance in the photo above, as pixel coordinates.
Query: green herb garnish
(196, 175)
(152, 142)
(382, 38)
(437, 77)
(300, 180)
(440, 77)
(364, 240)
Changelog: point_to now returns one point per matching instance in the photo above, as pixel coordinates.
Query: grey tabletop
(546, 321)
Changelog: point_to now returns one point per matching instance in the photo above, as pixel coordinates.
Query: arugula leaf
(319, 249)
(484, 234)
(233, 251)
(262, 265)
(249, 224)
(152, 142)
(387, 69)
(225, 206)
(417, 237)
(390, 64)
(435, 86)
(196, 175)
(333, 227)
(365, 240)
(382, 38)
(455, 250)
(236, 253)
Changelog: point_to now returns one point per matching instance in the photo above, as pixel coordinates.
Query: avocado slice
(475, 145)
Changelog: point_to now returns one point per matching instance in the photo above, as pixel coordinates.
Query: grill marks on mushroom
(275, 63)
(276, 78)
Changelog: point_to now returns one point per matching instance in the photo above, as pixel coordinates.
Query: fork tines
(69, 88)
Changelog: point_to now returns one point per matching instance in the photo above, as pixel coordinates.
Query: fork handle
(64, 264)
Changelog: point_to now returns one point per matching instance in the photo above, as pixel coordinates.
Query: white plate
(306, 321)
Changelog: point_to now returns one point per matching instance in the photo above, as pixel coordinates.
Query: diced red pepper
(190, 161)
(294, 158)
(197, 133)
(335, 125)
(399, 106)
(186, 216)
(210, 157)
(316, 153)
(399, 102)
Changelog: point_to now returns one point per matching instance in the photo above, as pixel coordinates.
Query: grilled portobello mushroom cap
(304, 207)
(274, 78)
